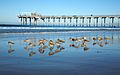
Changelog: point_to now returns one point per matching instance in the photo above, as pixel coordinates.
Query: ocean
(16, 28)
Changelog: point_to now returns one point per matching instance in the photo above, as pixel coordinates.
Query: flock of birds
(42, 46)
(57, 46)
(82, 42)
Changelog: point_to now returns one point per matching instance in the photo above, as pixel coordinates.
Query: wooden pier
(72, 21)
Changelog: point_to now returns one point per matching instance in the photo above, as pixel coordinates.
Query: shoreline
(35, 30)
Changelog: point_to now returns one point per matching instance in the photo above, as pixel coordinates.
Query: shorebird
(31, 44)
(100, 39)
(41, 43)
(44, 40)
(58, 44)
(51, 43)
(94, 43)
(106, 38)
(61, 41)
(10, 43)
(106, 43)
(26, 40)
(79, 39)
(85, 40)
(72, 39)
(94, 39)
(72, 45)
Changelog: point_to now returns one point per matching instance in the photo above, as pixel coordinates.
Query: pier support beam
(76, 20)
(35, 20)
(53, 19)
(112, 20)
(26, 20)
(83, 18)
(48, 19)
(96, 21)
(21, 19)
(70, 20)
(59, 20)
(118, 21)
(89, 21)
(30, 20)
(104, 21)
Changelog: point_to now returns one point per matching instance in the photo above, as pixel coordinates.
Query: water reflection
(52, 47)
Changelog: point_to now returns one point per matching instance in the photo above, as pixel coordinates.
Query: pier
(70, 21)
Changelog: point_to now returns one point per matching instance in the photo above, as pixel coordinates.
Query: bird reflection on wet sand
(52, 47)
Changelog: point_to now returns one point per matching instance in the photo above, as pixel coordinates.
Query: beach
(100, 57)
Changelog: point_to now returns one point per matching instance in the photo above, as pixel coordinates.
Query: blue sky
(11, 8)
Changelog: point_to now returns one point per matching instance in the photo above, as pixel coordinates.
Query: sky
(9, 9)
